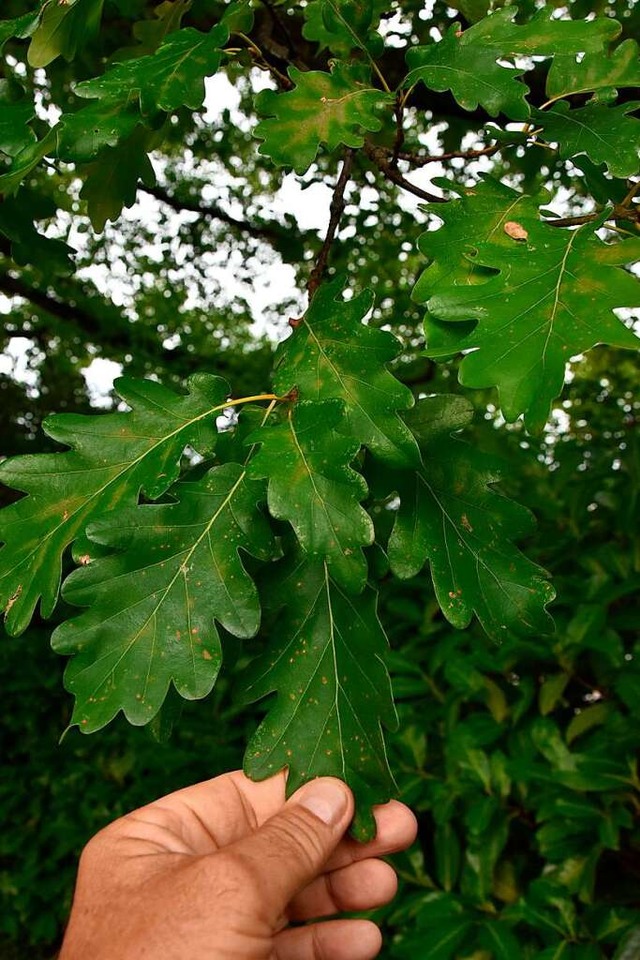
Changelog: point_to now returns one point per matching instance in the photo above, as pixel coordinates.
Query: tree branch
(337, 209)
(380, 158)
(421, 160)
(271, 234)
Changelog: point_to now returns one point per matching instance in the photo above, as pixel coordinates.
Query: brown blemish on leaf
(12, 600)
(206, 655)
(515, 230)
(84, 560)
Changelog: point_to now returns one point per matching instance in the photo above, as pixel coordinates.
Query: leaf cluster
(197, 519)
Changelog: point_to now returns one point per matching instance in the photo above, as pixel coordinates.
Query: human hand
(218, 870)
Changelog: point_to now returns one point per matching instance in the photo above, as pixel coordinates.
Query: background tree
(519, 757)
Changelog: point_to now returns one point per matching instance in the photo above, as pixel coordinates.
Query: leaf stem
(260, 396)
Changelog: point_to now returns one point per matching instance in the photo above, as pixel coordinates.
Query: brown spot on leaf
(515, 230)
(12, 600)
(84, 560)
(206, 655)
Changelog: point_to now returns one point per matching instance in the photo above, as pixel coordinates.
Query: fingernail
(325, 799)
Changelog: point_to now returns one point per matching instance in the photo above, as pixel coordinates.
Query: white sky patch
(99, 377)
(15, 363)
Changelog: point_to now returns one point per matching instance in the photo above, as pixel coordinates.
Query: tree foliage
(304, 500)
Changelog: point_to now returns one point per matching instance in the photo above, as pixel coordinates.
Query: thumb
(290, 849)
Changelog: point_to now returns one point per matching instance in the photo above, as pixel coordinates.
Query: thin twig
(421, 160)
(398, 111)
(620, 212)
(631, 194)
(379, 157)
(261, 61)
(336, 208)
(572, 221)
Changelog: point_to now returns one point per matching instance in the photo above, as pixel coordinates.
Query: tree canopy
(349, 512)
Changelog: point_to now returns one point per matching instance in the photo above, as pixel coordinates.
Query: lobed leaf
(323, 108)
(478, 215)
(325, 661)
(605, 133)
(134, 92)
(172, 77)
(152, 606)
(111, 181)
(149, 34)
(332, 354)
(546, 295)
(112, 459)
(344, 25)
(18, 216)
(597, 70)
(62, 28)
(451, 517)
(471, 63)
(465, 63)
(19, 27)
(16, 113)
(313, 486)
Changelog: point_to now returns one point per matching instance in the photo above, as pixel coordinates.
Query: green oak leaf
(20, 27)
(552, 296)
(478, 214)
(547, 35)
(82, 135)
(25, 161)
(471, 10)
(111, 459)
(313, 486)
(466, 61)
(325, 660)
(152, 605)
(150, 33)
(323, 108)
(170, 78)
(16, 113)
(333, 354)
(450, 516)
(606, 134)
(17, 216)
(111, 182)
(595, 71)
(63, 27)
(239, 16)
(344, 25)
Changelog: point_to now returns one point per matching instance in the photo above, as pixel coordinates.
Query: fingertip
(330, 940)
(369, 939)
(396, 825)
(327, 798)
